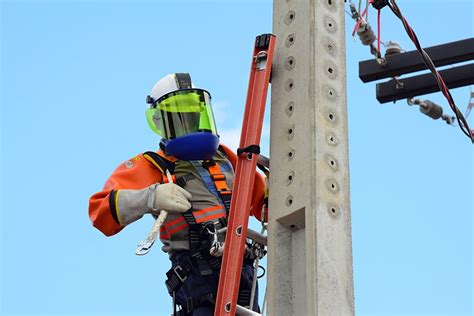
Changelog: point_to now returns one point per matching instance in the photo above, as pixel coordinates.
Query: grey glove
(172, 198)
(133, 204)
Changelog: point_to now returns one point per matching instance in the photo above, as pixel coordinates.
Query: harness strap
(195, 302)
(215, 180)
(179, 274)
(196, 243)
(159, 161)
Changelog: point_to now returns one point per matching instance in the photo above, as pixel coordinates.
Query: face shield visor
(182, 112)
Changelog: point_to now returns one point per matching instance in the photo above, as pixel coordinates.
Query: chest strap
(212, 174)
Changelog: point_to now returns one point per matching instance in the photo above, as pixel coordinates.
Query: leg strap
(178, 275)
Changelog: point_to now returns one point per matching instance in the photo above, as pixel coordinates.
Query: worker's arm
(125, 195)
(132, 191)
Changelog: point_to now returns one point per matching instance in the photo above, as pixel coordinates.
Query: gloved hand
(172, 198)
(133, 204)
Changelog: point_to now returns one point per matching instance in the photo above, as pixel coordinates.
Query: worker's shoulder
(139, 161)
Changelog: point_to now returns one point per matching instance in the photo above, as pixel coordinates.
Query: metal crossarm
(394, 90)
(244, 176)
(409, 62)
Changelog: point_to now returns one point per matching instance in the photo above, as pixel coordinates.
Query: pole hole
(330, 2)
(292, 226)
(331, 116)
(290, 16)
(289, 108)
(290, 40)
(332, 140)
(289, 200)
(227, 307)
(330, 70)
(290, 177)
(238, 231)
(289, 85)
(334, 211)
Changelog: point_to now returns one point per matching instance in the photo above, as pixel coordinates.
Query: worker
(197, 201)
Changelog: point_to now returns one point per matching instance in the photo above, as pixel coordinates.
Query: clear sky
(74, 76)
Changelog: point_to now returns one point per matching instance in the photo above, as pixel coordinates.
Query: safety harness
(199, 232)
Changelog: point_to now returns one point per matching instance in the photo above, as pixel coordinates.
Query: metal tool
(145, 245)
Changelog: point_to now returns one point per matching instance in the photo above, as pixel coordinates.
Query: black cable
(464, 126)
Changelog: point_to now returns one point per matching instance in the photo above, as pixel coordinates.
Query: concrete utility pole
(310, 248)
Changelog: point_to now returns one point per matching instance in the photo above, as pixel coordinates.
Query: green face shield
(182, 112)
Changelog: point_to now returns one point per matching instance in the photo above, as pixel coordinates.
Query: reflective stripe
(174, 222)
(163, 233)
(208, 209)
(203, 215)
(179, 228)
(209, 214)
(116, 207)
(211, 217)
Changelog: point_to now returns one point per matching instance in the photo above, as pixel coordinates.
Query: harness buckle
(218, 177)
(177, 270)
(208, 163)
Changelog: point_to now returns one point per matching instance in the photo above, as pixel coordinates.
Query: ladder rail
(231, 269)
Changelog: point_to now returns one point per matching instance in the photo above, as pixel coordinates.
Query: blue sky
(74, 76)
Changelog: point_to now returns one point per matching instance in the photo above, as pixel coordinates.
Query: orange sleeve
(259, 186)
(135, 174)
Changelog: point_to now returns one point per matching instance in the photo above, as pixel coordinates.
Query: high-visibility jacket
(140, 172)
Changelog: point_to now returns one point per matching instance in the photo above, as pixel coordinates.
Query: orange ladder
(231, 269)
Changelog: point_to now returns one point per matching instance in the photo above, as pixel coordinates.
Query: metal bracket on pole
(309, 227)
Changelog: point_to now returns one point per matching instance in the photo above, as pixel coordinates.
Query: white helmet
(170, 83)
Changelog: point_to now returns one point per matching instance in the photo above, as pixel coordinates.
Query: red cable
(358, 22)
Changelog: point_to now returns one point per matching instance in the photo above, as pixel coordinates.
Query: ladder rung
(242, 311)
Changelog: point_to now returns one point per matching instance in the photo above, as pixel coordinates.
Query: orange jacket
(139, 173)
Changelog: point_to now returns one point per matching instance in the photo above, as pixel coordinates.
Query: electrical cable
(378, 34)
(470, 104)
(463, 125)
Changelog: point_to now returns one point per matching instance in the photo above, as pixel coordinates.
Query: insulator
(448, 119)
(366, 34)
(392, 48)
(431, 109)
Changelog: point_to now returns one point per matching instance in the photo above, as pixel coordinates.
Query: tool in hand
(145, 245)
